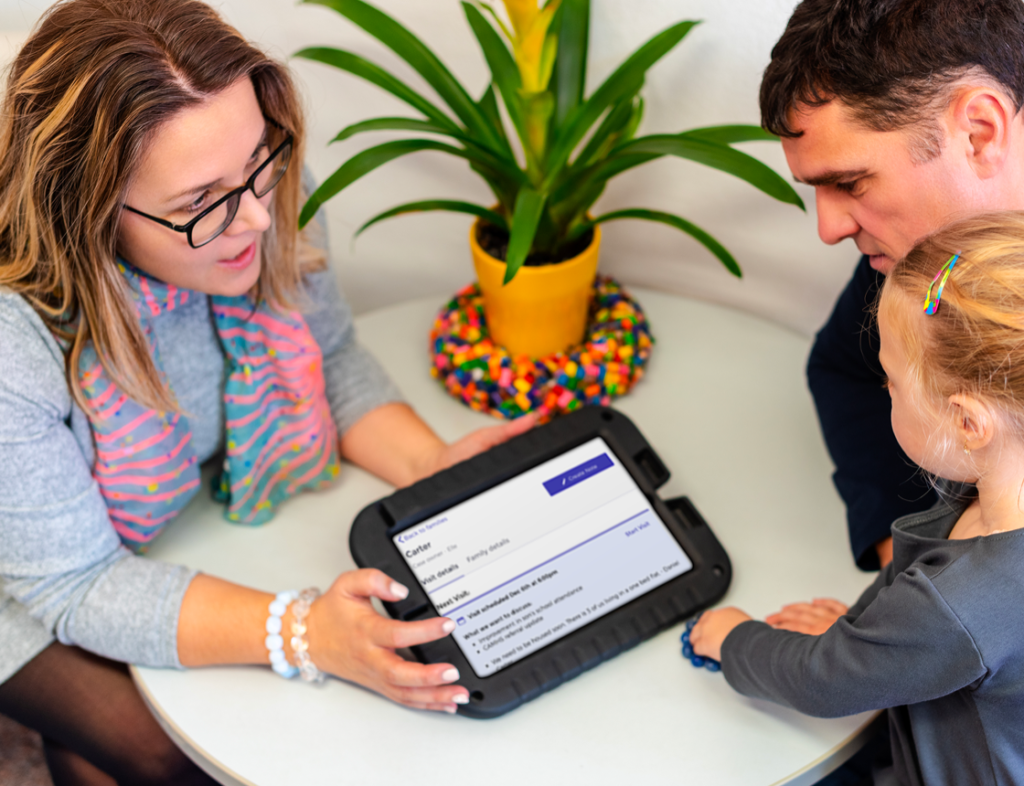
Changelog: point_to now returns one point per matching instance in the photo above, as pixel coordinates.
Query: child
(937, 638)
(158, 308)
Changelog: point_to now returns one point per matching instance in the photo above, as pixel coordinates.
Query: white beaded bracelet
(300, 646)
(275, 641)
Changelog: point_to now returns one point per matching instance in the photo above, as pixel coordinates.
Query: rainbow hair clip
(931, 305)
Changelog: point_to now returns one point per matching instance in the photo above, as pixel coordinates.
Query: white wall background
(711, 78)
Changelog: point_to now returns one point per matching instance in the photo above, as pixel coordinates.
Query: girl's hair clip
(931, 305)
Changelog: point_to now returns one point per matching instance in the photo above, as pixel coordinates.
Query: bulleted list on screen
(533, 559)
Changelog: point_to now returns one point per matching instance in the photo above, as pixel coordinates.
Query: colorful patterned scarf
(280, 437)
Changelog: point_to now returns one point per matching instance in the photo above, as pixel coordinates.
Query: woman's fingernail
(448, 626)
(399, 589)
(450, 675)
(462, 698)
(450, 709)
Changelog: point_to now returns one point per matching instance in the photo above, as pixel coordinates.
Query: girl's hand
(480, 440)
(711, 629)
(348, 638)
(812, 618)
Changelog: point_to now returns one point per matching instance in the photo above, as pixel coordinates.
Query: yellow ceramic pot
(543, 309)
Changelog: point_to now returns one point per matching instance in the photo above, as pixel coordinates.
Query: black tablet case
(371, 545)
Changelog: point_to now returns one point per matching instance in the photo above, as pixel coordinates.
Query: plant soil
(495, 242)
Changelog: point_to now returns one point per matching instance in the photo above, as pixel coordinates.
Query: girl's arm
(907, 646)
(819, 615)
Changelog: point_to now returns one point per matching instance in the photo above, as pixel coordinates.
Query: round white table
(725, 406)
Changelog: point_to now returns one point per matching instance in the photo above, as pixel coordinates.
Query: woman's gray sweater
(63, 571)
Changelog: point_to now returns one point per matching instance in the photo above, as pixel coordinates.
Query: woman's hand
(348, 638)
(480, 440)
(395, 444)
(221, 622)
(711, 629)
(812, 618)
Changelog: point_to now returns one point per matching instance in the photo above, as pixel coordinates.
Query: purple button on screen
(571, 477)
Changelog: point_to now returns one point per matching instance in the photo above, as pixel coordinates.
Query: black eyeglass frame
(250, 185)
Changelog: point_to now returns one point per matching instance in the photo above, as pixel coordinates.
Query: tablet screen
(531, 560)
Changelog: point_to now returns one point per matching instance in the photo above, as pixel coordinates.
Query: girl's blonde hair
(974, 343)
(84, 96)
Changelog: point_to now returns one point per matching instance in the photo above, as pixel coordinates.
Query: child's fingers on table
(798, 605)
(832, 604)
(803, 618)
(801, 609)
(810, 611)
(789, 611)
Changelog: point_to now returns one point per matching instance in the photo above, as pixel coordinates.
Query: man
(902, 114)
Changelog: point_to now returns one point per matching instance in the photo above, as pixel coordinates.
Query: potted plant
(535, 250)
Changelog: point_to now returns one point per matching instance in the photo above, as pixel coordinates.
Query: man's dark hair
(891, 61)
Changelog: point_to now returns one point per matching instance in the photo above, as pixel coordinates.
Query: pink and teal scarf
(280, 437)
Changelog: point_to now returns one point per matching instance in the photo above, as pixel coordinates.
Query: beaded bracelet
(274, 641)
(309, 672)
(708, 663)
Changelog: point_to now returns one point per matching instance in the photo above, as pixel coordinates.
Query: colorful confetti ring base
(487, 378)
(707, 663)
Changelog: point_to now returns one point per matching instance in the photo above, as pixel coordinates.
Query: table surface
(725, 405)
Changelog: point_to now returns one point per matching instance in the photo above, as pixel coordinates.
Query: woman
(157, 308)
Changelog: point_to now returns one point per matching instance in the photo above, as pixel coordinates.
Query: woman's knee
(162, 763)
(89, 706)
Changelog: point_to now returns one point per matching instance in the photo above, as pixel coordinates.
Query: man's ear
(973, 421)
(981, 124)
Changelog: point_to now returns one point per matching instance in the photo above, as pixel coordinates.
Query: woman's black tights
(95, 726)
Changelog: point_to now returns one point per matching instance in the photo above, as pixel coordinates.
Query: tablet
(551, 553)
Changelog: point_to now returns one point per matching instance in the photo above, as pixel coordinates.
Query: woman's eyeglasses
(209, 224)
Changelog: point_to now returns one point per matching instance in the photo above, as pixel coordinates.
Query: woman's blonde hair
(84, 96)
(974, 343)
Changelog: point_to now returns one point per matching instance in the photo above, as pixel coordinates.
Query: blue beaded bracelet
(275, 641)
(696, 660)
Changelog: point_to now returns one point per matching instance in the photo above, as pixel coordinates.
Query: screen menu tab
(531, 560)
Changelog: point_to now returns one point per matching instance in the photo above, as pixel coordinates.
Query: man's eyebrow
(205, 186)
(833, 177)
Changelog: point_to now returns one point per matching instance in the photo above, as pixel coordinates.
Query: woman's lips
(243, 260)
